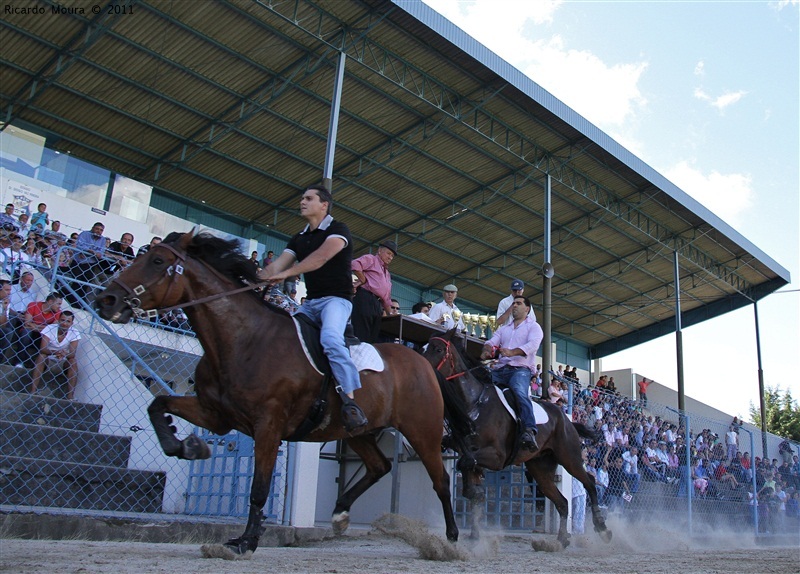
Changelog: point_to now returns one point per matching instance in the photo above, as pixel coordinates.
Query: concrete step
(44, 411)
(64, 445)
(31, 482)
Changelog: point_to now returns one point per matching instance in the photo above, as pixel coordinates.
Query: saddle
(308, 333)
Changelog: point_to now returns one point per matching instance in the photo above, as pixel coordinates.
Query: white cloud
(720, 102)
(700, 68)
(607, 95)
(730, 196)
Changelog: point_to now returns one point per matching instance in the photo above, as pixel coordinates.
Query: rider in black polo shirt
(324, 253)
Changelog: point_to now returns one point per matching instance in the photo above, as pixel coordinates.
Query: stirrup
(353, 417)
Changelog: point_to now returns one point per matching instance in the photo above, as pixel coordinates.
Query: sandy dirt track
(375, 552)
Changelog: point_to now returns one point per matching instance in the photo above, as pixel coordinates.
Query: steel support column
(761, 387)
(333, 126)
(679, 334)
(547, 291)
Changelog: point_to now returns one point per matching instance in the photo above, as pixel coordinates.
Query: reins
(173, 271)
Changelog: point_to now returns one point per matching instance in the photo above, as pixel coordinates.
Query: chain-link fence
(686, 471)
(98, 452)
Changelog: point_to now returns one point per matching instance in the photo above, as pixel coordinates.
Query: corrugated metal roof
(442, 146)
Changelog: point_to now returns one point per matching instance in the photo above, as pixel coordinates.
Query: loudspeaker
(548, 271)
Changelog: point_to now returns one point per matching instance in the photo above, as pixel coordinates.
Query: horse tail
(455, 413)
(587, 433)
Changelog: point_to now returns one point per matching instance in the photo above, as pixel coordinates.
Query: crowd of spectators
(35, 334)
(639, 445)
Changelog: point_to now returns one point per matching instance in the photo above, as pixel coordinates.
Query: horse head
(441, 353)
(152, 281)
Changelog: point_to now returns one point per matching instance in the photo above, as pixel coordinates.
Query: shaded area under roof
(442, 147)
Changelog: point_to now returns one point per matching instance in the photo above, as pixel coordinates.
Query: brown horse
(486, 436)
(255, 378)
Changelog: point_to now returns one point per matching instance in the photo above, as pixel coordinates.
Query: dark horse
(255, 378)
(485, 435)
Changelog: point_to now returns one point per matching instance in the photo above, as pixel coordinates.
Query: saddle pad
(539, 414)
(364, 355)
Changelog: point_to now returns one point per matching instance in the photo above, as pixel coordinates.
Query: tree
(783, 413)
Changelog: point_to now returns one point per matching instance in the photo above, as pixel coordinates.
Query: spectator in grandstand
(631, 468)
(59, 343)
(38, 315)
(793, 505)
(40, 219)
(747, 466)
(30, 257)
(6, 330)
(578, 503)
(794, 472)
(699, 477)
(22, 295)
(145, 248)
(254, 260)
(55, 231)
(732, 442)
(420, 312)
(611, 387)
(12, 253)
(22, 223)
(785, 450)
(87, 259)
(119, 253)
(643, 384)
(268, 259)
(555, 391)
(723, 476)
(8, 221)
(655, 463)
(617, 485)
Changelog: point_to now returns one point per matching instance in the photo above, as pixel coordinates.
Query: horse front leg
(266, 452)
(189, 409)
(472, 481)
(543, 470)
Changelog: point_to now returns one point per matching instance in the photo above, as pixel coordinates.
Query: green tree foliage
(783, 413)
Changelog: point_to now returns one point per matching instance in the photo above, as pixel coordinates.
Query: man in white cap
(504, 308)
(442, 312)
(374, 293)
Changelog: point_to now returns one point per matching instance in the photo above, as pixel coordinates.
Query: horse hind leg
(376, 465)
(189, 409)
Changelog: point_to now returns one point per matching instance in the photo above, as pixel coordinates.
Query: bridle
(172, 273)
(448, 354)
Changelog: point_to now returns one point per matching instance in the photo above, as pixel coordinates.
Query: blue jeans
(331, 315)
(518, 380)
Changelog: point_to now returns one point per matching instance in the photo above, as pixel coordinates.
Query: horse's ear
(186, 238)
(449, 335)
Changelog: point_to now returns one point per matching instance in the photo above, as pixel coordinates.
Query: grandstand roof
(442, 146)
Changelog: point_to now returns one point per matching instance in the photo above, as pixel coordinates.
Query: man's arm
(281, 263)
(314, 261)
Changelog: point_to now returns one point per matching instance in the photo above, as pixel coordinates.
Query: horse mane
(474, 367)
(225, 256)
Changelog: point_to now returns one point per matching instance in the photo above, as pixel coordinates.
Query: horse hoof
(242, 545)
(192, 448)
(605, 536)
(340, 522)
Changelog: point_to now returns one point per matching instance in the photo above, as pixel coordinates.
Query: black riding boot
(528, 439)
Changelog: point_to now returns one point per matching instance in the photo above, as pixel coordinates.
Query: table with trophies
(478, 329)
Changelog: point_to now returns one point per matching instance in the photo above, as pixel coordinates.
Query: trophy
(446, 317)
(456, 316)
(484, 322)
(467, 322)
(493, 323)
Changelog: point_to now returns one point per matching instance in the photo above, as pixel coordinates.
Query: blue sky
(708, 94)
